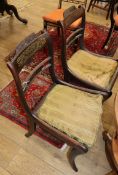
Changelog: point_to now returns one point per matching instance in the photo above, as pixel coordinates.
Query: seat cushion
(92, 68)
(57, 15)
(74, 112)
(116, 20)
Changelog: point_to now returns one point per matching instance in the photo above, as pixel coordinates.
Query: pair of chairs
(69, 112)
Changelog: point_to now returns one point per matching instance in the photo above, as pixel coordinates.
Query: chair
(111, 144)
(105, 5)
(84, 67)
(53, 17)
(114, 22)
(71, 114)
(10, 9)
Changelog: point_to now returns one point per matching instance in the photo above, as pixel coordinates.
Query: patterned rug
(10, 106)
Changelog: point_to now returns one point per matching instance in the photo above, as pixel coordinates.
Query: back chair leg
(90, 5)
(31, 129)
(108, 37)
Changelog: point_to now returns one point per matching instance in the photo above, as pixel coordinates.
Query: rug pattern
(9, 100)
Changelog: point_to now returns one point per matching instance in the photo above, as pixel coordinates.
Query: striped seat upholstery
(94, 69)
(74, 112)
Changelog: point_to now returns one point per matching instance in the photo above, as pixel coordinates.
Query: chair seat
(57, 15)
(73, 112)
(116, 20)
(92, 68)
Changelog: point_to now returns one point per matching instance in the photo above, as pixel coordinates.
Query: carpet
(10, 106)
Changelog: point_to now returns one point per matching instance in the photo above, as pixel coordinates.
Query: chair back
(23, 55)
(75, 36)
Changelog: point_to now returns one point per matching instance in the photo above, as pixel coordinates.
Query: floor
(33, 156)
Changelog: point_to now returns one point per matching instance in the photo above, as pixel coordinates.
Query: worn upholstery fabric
(92, 68)
(57, 15)
(74, 112)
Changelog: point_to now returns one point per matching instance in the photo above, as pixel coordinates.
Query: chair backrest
(114, 10)
(76, 2)
(24, 54)
(76, 35)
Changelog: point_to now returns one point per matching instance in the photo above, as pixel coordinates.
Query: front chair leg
(31, 129)
(72, 153)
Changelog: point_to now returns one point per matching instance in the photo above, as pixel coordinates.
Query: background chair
(101, 4)
(53, 17)
(70, 113)
(114, 23)
(88, 69)
(111, 144)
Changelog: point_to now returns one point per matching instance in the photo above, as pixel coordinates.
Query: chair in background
(52, 18)
(114, 23)
(76, 122)
(101, 4)
(88, 69)
(111, 144)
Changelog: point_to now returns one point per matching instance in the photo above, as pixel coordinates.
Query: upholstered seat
(73, 112)
(92, 68)
(57, 15)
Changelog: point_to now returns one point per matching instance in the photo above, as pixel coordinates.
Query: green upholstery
(95, 69)
(74, 112)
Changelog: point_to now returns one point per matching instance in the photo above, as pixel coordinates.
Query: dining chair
(101, 4)
(113, 25)
(69, 113)
(84, 67)
(111, 143)
(52, 18)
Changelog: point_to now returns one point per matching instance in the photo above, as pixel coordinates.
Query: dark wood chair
(88, 69)
(56, 15)
(101, 4)
(114, 23)
(70, 113)
(10, 9)
(111, 144)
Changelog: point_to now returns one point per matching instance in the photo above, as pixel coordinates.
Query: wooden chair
(10, 9)
(99, 4)
(111, 144)
(71, 114)
(88, 69)
(114, 23)
(53, 17)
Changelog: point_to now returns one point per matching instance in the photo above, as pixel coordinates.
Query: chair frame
(48, 23)
(93, 4)
(16, 65)
(109, 148)
(69, 76)
(114, 6)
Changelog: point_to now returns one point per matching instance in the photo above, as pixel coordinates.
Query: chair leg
(14, 10)
(72, 153)
(108, 150)
(45, 25)
(108, 37)
(31, 129)
(90, 4)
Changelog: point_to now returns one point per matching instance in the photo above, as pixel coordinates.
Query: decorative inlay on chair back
(28, 51)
